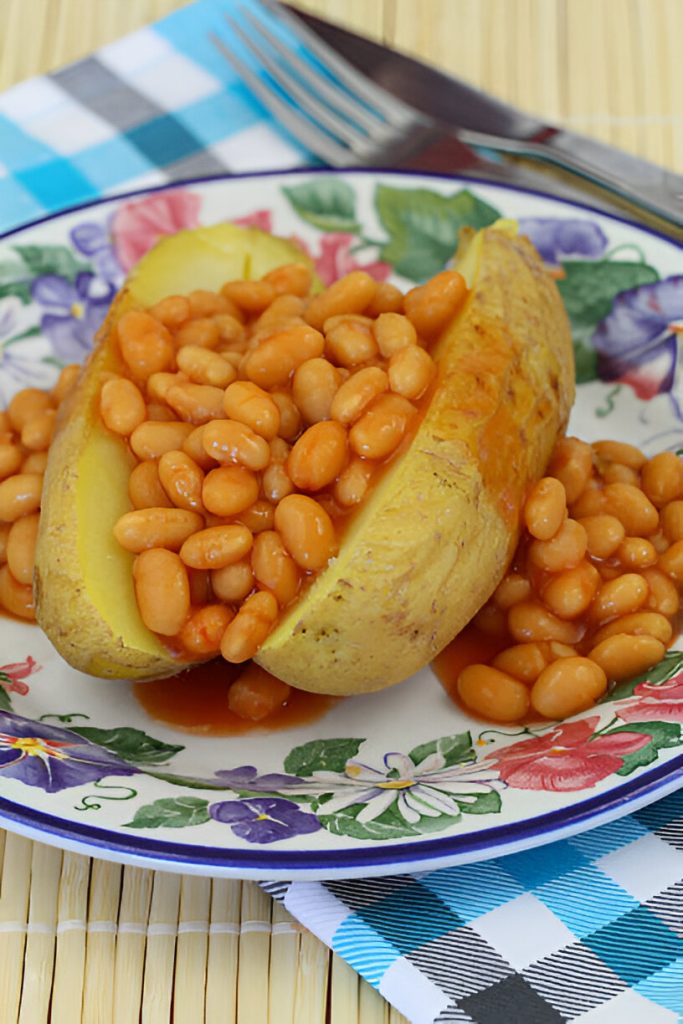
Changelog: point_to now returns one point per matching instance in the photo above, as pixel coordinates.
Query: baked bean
(604, 534)
(232, 583)
(572, 464)
(182, 480)
(162, 590)
(193, 445)
(290, 417)
(216, 546)
(229, 490)
(203, 631)
(637, 624)
(274, 568)
(671, 521)
(393, 332)
(231, 333)
(200, 586)
(203, 331)
(37, 433)
(144, 487)
(671, 561)
(284, 311)
(319, 456)
(290, 279)
(659, 542)
(275, 360)
(591, 501)
(545, 508)
(624, 655)
(307, 531)
(627, 593)
(492, 621)
(122, 406)
(255, 694)
(314, 386)
(228, 441)
(20, 495)
(36, 462)
(4, 538)
(145, 344)
(353, 482)
(619, 451)
(380, 429)
(636, 553)
(615, 473)
(431, 306)
(350, 343)
(411, 371)
(207, 303)
(26, 405)
(247, 403)
(203, 366)
(567, 686)
(11, 458)
(172, 311)
(258, 517)
(662, 478)
(251, 296)
(350, 294)
(276, 482)
(196, 403)
(663, 596)
(21, 548)
(529, 621)
(387, 299)
(153, 438)
(523, 661)
(250, 627)
(632, 508)
(356, 393)
(563, 551)
(494, 694)
(569, 593)
(66, 382)
(512, 588)
(15, 597)
(146, 528)
(158, 385)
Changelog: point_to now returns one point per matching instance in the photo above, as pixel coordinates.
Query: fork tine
(356, 109)
(393, 110)
(291, 86)
(318, 141)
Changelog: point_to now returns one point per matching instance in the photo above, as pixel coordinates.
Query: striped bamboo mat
(87, 941)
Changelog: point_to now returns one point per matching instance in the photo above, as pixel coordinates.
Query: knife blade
(600, 174)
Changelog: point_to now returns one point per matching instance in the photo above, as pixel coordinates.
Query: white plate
(395, 781)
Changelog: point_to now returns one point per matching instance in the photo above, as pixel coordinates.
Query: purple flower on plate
(51, 758)
(637, 341)
(72, 311)
(264, 819)
(558, 237)
(247, 777)
(94, 241)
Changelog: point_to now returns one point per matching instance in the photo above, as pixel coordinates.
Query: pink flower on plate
(138, 224)
(12, 676)
(261, 219)
(658, 701)
(566, 758)
(336, 259)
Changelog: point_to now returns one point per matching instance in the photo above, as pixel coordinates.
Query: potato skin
(435, 538)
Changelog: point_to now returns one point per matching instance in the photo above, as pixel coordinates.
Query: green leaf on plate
(482, 803)
(21, 289)
(589, 287)
(585, 356)
(131, 745)
(389, 825)
(49, 259)
(670, 665)
(327, 203)
(5, 699)
(171, 812)
(453, 749)
(662, 735)
(321, 755)
(423, 227)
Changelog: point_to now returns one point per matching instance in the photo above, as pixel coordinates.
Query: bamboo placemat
(84, 940)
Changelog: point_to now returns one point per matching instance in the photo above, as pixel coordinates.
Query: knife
(485, 123)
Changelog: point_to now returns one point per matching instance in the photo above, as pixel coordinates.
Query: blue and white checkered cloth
(589, 929)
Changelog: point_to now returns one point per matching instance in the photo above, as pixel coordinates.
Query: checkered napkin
(589, 929)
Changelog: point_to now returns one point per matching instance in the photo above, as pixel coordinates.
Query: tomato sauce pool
(197, 701)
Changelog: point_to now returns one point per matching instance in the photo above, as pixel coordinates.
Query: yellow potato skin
(85, 599)
(426, 549)
(436, 536)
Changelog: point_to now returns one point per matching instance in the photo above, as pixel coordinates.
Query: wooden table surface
(608, 68)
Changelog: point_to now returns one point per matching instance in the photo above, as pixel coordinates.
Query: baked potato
(424, 551)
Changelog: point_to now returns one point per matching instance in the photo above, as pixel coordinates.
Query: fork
(348, 120)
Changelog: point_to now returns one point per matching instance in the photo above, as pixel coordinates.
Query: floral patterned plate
(399, 780)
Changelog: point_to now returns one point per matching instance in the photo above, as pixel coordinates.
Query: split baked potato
(424, 551)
